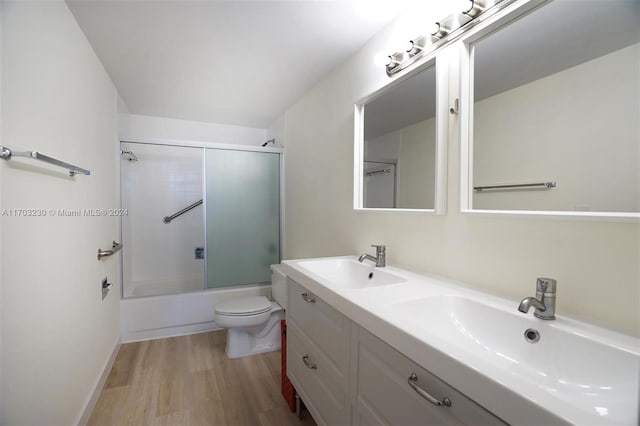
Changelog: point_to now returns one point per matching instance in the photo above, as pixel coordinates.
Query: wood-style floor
(189, 380)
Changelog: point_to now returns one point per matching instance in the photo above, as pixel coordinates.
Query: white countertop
(512, 387)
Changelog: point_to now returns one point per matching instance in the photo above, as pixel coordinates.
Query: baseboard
(93, 397)
(161, 333)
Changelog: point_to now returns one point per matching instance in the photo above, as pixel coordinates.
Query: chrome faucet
(380, 256)
(544, 302)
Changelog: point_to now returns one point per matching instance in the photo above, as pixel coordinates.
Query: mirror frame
(441, 122)
(503, 18)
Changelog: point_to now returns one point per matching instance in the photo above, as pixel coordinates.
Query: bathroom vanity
(383, 346)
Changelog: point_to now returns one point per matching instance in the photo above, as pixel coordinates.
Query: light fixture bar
(444, 31)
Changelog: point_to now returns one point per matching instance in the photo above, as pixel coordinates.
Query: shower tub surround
(576, 373)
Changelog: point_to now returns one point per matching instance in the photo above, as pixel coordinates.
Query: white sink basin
(349, 273)
(588, 374)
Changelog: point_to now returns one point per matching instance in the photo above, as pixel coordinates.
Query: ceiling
(232, 62)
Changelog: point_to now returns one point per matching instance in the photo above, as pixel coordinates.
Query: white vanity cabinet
(385, 395)
(347, 376)
(318, 355)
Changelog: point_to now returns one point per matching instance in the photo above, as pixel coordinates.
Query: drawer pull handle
(413, 379)
(306, 298)
(309, 364)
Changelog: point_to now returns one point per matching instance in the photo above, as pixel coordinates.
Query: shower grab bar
(115, 247)
(540, 185)
(8, 153)
(168, 219)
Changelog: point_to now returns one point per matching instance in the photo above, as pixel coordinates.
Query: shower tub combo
(203, 225)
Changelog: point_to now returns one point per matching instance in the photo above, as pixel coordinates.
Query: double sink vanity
(513, 90)
(382, 345)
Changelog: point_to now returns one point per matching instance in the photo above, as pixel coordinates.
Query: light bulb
(440, 31)
(476, 9)
(396, 59)
(460, 6)
(416, 45)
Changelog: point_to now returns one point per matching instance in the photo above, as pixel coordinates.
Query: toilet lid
(244, 306)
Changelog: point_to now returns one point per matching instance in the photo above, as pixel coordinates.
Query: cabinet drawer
(327, 327)
(384, 395)
(322, 387)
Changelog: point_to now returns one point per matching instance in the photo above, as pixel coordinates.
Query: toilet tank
(279, 285)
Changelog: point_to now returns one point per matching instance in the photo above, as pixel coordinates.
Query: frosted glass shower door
(242, 216)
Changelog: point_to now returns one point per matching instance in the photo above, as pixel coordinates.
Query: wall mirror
(552, 126)
(398, 146)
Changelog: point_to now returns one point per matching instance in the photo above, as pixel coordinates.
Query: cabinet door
(385, 397)
(322, 387)
(323, 324)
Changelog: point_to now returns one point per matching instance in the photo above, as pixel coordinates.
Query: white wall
(276, 130)
(413, 149)
(384, 148)
(563, 128)
(595, 262)
(132, 127)
(380, 190)
(57, 333)
(417, 165)
(122, 107)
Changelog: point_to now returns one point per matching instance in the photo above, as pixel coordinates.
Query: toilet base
(255, 340)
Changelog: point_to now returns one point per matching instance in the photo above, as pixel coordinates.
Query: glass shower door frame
(203, 146)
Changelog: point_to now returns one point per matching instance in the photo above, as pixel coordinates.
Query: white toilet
(253, 322)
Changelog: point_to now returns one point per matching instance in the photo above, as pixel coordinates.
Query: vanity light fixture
(443, 32)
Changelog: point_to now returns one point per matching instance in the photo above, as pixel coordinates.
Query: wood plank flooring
(189, 380)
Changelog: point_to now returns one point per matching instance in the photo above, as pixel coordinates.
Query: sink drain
(531, 335)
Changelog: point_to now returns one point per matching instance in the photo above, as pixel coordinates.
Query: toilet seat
(243, 306)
